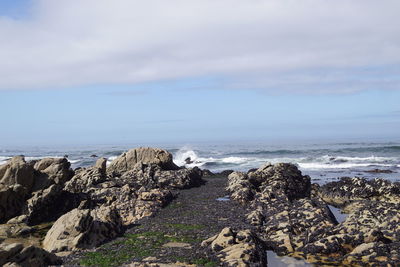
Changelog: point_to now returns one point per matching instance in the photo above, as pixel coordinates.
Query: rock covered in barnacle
(282, 181)
(238, 248)
(347, 189)
(282, 207)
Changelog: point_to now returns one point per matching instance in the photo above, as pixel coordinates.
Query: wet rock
(374, 254)
(84, 228)
(242, 248)
(145, 155)
(31, 256)
(282, 181)
(379, 171)
(282, 205)
(346, 190)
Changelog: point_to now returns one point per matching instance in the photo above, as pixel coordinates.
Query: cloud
(262, 44)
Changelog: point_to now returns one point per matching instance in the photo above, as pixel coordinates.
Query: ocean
(323, 162)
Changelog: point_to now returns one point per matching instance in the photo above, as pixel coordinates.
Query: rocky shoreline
(143, 210)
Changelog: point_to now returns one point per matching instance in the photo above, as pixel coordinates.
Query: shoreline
(156, 212)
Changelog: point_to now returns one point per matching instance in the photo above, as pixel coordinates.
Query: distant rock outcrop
(145, 155)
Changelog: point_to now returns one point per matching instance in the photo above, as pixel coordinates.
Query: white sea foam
(110, 159)
(318, 166)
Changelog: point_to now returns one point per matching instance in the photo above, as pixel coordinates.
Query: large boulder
(34, 180)
(145, 155)
(83, 228)
(17, 171)
(52, 171)
(18, 255)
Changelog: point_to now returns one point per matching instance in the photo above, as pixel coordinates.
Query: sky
(126, 71)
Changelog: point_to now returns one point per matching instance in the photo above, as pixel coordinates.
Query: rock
(31, 256)
(52, 171)
(49, 204)
(282, 207)
(188, 160)
(80, 229)
(145, 155)
(379, 171)
(153, 176)
(12, 201)
(86, 179)
(17, 171)
(242, 248)
(101, 165)
(346, 190)
(207, 173)
(15, 230)
(224, 173)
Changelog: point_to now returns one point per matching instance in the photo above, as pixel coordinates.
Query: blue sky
(90, 82)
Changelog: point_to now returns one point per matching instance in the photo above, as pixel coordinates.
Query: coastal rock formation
(145, 155)
(347, 189)
(18, 255)
(51, 171)
(242, 248)
(292, 217)
(153, 176)
(83, 228)
(127, 194)
(282, 207)
(25, 185)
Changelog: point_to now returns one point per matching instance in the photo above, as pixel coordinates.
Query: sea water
(324, 162)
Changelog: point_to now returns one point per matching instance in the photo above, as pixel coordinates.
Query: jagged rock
(86, 179)
(282, 207)
(145, 155)
(17, 171)
(132, 204)
(49, 204)
(242, 248)
(346, 190)
(84, 228)
(51, 171)
(282, 181)
(18, 179)
(12, 200)
(16, 255)
(374, 254)
(152, 176)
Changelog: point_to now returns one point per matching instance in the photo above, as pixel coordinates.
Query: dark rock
(379, 171)
(31, 256)
(347, 189)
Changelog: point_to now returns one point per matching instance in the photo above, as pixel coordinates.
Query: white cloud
(87, 42)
